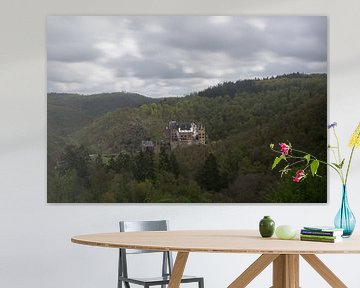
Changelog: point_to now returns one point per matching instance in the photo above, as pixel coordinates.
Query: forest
(95, 153)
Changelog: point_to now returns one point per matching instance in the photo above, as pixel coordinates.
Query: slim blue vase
(345, 219)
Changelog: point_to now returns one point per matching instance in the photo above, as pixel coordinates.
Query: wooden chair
(167, 262)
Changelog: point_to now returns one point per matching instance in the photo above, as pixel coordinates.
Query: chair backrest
(134, 226)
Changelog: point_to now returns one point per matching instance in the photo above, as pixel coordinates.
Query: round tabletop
(220, 241)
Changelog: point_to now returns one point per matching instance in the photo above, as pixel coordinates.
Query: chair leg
(201, 283)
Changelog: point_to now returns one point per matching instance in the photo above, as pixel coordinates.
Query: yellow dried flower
(355, 138)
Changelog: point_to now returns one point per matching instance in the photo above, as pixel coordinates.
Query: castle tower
(201, 134)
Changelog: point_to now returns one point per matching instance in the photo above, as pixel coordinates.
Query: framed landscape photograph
(182, 109)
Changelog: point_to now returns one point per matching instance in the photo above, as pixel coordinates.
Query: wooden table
(284, 254)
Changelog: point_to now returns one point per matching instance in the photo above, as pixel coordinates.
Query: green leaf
(271, 146)
(307, 157)
(276, 162)
(342, 163)
(314, 166)
(283, 157)
(339, 166)
(336, 165)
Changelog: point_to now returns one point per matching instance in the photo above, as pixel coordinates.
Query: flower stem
(351, 155)
(339, 162)
(323, 162)
(333, 152)
(296, 162)
(338, 145)
(348, 167)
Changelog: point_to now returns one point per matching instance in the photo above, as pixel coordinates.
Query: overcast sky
(162, 56)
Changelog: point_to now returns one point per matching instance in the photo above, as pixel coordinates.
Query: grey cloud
(68, 40)
(167, 55)
(61, 72)
(299, 37)
(71, 52)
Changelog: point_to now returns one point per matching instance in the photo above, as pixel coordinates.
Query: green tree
(174, 165)
(67, 187)
(75, 157)
(121, 163)
(99, 180)
(164, 162)
(144, 167)
(209, 176)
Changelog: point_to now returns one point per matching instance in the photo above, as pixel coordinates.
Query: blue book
(322, 231)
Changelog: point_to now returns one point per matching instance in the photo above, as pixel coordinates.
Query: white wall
(35, 248)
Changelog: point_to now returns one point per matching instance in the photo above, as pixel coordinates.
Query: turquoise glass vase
(345, 219)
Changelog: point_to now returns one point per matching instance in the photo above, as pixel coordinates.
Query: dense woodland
(94, 144)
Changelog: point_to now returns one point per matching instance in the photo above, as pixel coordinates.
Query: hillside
(263, 103)
(97, 104)
(67, 113)
(241, 119)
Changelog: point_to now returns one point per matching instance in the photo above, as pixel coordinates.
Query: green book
(319, 236)
(325, 240)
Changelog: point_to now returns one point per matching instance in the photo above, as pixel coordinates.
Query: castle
(186, 134)
(178, 134)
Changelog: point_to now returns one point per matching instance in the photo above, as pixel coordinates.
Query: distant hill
(260, 85)
(97, 104)
(228, 109)
(67, 113)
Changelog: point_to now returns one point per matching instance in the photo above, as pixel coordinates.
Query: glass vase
(345, 219)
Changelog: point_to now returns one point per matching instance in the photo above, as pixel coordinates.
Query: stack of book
(321, 234)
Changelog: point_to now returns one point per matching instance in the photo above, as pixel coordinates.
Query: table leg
(178, 270)
(286, 271)
(324, 271)
(253, 270)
